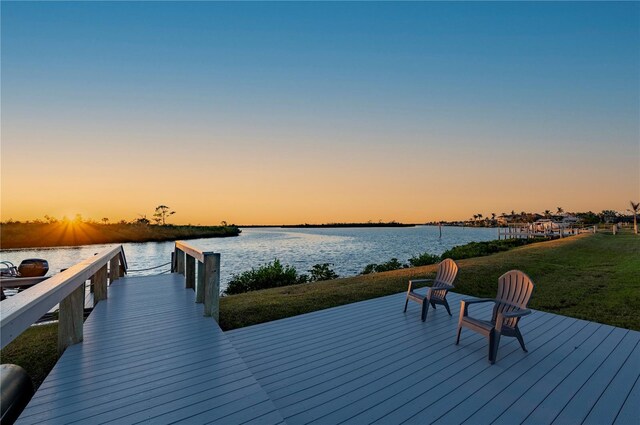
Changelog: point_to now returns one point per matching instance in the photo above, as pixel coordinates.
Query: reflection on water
(349, 250)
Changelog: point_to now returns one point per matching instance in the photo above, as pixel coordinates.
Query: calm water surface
(349, 250)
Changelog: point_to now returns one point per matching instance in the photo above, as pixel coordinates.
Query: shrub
(392, 264)
(270, 275)
(480, 249)
(423, 260)
(322, 272)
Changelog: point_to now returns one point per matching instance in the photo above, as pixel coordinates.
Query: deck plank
(369, 362)
(149, 355)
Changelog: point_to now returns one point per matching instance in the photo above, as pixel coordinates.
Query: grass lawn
(591, 277)
(36, 350)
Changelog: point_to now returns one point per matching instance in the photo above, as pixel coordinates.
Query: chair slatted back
(446, 275)
(514, 292)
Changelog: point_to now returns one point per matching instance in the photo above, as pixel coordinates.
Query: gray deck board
(369, 362)
(616, 393)
(149, 355)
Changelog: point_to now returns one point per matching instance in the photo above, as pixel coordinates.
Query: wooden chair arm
(464, 304)
(443, 286)
(411, 282)
(420, 280)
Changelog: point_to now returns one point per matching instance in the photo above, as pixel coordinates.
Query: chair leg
(494, 342)
(406, 303)
(425, 308)
(446, 305)
(521, 340)
(460, 322)
(433, 305)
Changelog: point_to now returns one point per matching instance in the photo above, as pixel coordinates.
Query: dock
(151, 354)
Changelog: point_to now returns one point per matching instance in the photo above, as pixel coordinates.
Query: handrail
(207, 286)
(18, 312)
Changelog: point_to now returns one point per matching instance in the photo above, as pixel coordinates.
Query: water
(349, 250)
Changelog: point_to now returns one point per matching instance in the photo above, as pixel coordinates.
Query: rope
(150, 268)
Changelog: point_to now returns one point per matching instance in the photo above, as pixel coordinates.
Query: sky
(284, 113)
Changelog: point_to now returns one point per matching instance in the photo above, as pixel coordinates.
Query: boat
(15, 279)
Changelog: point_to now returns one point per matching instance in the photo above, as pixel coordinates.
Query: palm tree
(634, 209)
(547, 213)
(560, 211)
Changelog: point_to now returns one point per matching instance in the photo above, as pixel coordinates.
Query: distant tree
(161, 214)
(634, 209)
(142, 220)
(547, 213)
(322, 272)
(50, 219)
(78, 218)
(493, 216)
(105, 220)
(223, 223)
(560, 211)
(608, 216)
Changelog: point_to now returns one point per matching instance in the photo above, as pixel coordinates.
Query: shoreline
(17, 236)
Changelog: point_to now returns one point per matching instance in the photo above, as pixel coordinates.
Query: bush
(270, 275)
(424, 259)
(480, 249)
(322, 272)
(392, 264)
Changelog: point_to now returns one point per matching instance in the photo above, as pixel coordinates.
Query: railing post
(179, 261)
(100, 285)
(212, 285)
(200, 283)
(190, 271)
(70, 319)
(114, 270)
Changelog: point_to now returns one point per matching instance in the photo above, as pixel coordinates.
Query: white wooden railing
(527, 230)
(67, 288)
(186, 259)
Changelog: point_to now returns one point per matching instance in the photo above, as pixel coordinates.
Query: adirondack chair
(437, 293)
(514, 291)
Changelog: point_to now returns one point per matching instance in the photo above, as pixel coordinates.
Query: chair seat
(416, 297)
(482, 324)
(436, 296)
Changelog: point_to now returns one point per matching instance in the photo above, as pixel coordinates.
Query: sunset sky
(270, 113)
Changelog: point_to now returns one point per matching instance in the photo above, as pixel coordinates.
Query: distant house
(569, 219)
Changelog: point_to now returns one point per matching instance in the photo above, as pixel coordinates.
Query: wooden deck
(370, 363)
(149, 355)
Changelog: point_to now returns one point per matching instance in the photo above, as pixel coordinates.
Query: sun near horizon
(286, 113)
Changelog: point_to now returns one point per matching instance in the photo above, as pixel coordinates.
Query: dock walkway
(149, 356)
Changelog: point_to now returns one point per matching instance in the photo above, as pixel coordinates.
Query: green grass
(36, 350)
(591, 277)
